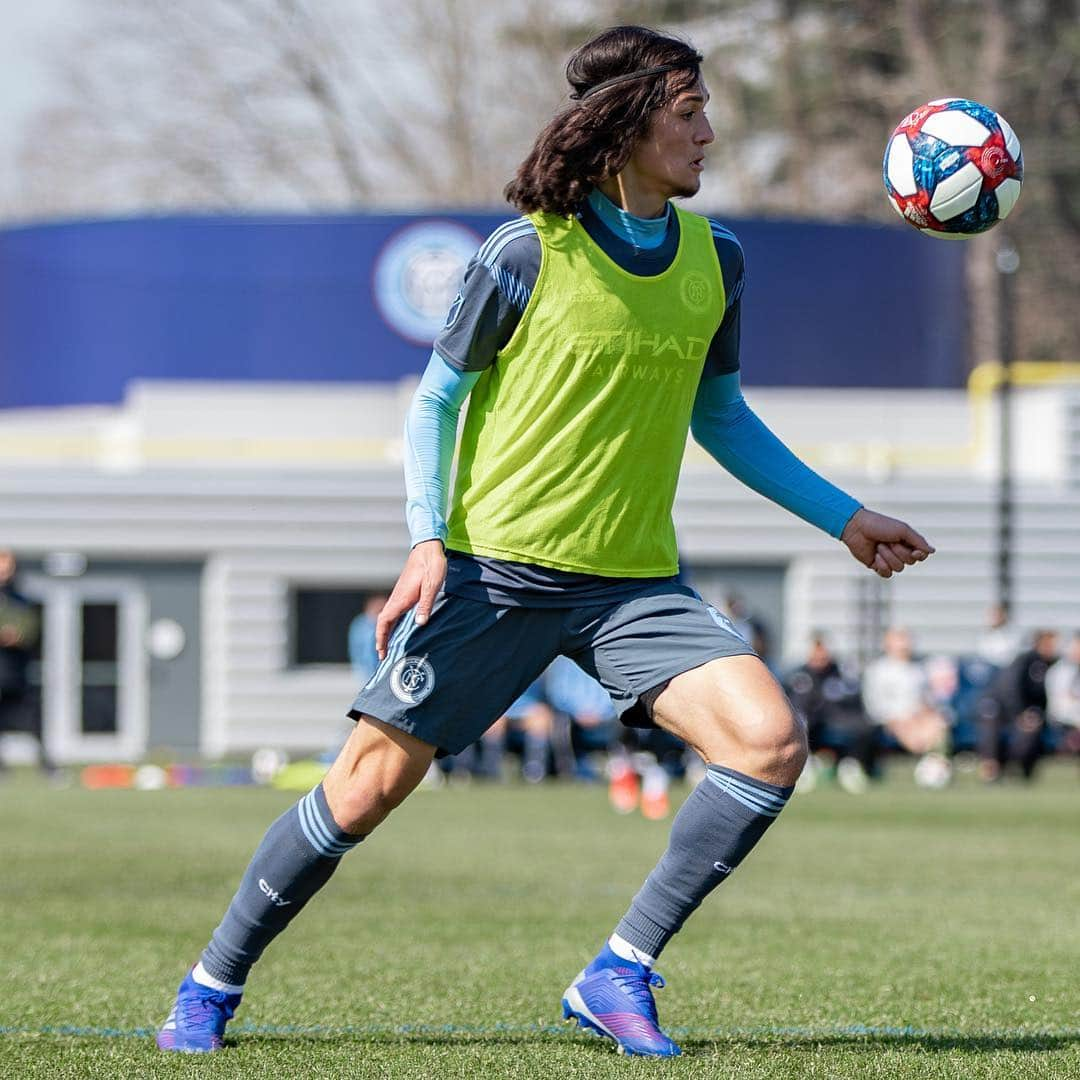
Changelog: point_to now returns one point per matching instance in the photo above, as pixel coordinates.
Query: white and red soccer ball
(953, 168)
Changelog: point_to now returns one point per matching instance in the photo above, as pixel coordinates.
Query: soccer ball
(953, 168)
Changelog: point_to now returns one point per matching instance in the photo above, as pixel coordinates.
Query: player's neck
(635, 198)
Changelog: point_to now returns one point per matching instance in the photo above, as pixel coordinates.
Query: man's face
(1046, 645)
(670, 156)
(897, 644)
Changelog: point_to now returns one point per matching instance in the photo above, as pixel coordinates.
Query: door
(93, 667)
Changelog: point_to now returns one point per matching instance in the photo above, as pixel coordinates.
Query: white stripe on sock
(204, 978)
(621, 947)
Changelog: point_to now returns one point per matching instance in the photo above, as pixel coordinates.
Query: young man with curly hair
(591, 334)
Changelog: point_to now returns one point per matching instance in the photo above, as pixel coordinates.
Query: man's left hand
(884, 544)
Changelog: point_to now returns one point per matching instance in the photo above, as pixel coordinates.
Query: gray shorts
(449, 681)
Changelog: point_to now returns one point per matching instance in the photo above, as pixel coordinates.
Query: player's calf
(297, 856)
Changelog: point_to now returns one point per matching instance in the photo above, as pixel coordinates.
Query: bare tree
(283, 104)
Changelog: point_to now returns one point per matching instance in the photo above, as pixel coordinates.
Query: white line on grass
(849, 1030)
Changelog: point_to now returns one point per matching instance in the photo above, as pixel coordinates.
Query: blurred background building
(230, 229)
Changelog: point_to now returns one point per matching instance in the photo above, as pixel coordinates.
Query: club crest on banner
(417, 276)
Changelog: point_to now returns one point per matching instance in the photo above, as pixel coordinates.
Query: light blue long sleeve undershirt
(430, 435)
(722, 422)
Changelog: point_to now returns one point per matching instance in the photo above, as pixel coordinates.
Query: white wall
(276, 516)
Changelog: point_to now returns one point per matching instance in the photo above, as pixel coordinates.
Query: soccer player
(590, 335)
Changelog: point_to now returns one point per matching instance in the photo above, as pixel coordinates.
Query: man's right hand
(418, 585)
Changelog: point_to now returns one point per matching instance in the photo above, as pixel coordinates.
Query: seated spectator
(641, 761)
(655, 757)
(1013, 713)
(531, 720)
(896, 696)
(1063, 696)
(942, 685)
(974, 676)
(1000, 642)
(826, 694)
(585, 721)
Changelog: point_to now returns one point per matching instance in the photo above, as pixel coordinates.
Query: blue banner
(85, 307)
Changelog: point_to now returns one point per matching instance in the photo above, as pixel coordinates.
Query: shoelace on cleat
(204, 1008)
(637, 987)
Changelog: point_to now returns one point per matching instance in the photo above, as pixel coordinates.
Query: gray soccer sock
(714, 830)
(534, 761)
(492, 752)
(294, 861)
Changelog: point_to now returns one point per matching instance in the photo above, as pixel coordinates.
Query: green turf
(901, 934)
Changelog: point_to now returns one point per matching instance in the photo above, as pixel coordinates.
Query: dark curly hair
(592, 139)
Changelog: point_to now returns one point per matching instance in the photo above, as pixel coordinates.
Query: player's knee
(361, 807)
(774, 740)
(363, 787)
(793, 752)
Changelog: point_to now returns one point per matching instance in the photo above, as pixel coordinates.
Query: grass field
(902, 934)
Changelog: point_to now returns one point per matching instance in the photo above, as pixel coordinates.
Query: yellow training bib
(575, 435)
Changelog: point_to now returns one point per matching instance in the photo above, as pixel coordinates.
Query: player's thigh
(732, 709)
(639, 644)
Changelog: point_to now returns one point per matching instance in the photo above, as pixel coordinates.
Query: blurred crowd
(1005, 707)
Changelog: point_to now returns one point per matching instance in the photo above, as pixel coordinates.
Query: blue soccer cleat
(198, 1018)
(613, 997)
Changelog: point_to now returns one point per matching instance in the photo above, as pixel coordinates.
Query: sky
(26, 32)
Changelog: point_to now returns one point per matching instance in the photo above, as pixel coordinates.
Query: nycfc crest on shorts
(412, 679)
(723, 622)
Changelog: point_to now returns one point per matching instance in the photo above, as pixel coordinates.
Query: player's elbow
(705, 429)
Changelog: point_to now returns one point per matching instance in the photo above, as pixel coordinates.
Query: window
(321, 618)
(100, 668)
